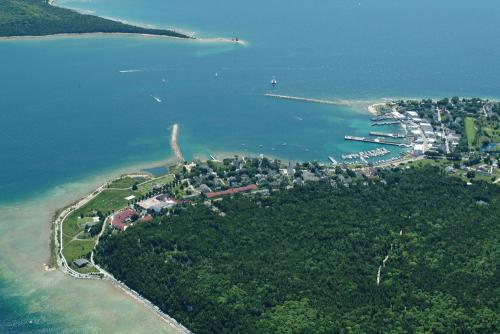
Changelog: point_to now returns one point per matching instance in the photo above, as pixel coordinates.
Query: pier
(174, 144)
(375, 141)
(390, 135)
(332, 160)
(306, 99)
(382, 118)
(386, 123)
(363, 155)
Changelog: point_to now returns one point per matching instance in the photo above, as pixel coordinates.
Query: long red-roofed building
(231, 191)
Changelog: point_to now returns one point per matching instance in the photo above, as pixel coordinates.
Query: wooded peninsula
(40, 18)
(388, 252)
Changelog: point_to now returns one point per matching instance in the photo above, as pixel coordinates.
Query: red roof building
(231, 191)
(119, 220)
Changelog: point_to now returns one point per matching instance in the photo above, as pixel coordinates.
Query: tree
(470, 174)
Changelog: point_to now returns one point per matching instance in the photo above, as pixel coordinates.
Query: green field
(126, 182)
(79, 244)
(470, 131)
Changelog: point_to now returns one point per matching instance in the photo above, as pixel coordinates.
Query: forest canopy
(307, 260)
(38, 18)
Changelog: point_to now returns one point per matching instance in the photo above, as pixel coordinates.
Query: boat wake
(131, 71)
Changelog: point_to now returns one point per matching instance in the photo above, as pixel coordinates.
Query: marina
(378, 152)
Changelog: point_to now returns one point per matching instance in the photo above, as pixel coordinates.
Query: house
(120, 219)
(205, 189)
(80, 263)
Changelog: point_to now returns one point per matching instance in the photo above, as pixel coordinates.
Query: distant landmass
(40, 18)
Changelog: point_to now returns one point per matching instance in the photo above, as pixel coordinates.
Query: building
(231, 191)
(80, 263)
(156, 204)
(412, 114)
(121, 219)
(418, 149)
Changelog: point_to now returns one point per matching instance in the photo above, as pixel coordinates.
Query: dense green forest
(306, 260)
(38, 18)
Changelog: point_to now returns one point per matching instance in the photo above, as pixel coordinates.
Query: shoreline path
(103, 274)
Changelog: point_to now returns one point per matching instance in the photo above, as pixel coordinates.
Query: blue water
(67, 112)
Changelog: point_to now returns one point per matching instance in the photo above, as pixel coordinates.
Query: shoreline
(119, 34)
(373, 108)
(101, 274)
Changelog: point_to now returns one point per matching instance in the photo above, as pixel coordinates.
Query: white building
(412, 114)
(157, 203)
(418, 149)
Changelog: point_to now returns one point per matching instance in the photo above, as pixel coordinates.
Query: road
(102, 274)
(443, 132)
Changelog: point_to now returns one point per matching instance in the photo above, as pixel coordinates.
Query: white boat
(157, 99)
(274, 82)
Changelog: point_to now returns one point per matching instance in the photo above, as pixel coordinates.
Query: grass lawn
(430, 162)
(470, 131)
(126, 182)
(77, 249)
(107, 201)
(144, 188)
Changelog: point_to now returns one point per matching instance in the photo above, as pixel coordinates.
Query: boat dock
(390, 135)
(382, 118)
(332, 160)
(306, 99)
(386, 123)
(378, 152)
(375, 141)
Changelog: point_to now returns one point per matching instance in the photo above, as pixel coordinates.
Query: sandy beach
(121, 34)
(373, 109)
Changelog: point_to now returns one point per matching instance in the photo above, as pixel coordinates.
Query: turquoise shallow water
(68, 112)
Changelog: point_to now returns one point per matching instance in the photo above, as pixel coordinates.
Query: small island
(19, 18)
